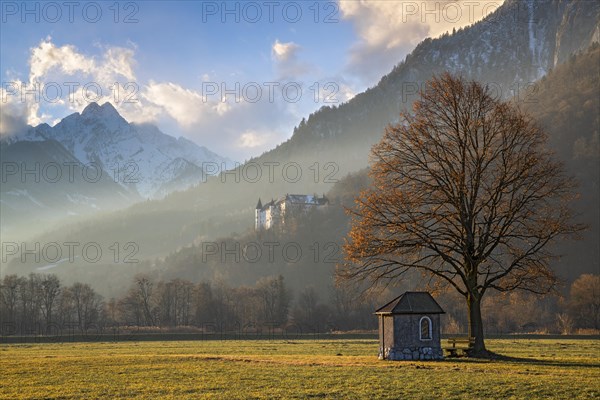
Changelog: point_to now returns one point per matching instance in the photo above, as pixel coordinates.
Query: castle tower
(257, 216)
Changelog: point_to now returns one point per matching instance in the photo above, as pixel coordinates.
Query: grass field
(328, 369)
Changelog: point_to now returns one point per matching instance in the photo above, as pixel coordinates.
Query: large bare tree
(463, 190)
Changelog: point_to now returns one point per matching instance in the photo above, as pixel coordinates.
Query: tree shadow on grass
(492, 356)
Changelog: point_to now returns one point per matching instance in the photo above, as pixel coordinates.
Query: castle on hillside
(274, 213)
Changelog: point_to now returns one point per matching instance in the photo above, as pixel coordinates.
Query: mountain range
(134, 162)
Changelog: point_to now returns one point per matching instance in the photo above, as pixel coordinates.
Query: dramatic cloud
(116, 62)
(47, 57)
(388, 30)
(81, 79)
(62, 76)
(239, 125)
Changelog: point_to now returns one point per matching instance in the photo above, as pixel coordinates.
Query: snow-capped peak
(138, 156)
(106, 110)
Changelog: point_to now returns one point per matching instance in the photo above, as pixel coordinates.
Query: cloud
(46, 57)
(181, 104)
(217, 124)
(13, 113)
(284, 51)
(187, 107)
(346, 93)
(65, 65)
(116, 62)
(61, 75)
(388, 30)
(252, 139)
(287, 61)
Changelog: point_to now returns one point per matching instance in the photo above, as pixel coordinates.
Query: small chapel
(409, 328)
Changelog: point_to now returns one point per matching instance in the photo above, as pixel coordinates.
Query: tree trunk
(476, 325)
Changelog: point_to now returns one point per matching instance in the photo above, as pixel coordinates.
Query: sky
(234, 76)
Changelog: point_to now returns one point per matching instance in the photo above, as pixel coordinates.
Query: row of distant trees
(39, 304)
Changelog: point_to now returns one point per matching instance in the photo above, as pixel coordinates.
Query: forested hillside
(567, 103)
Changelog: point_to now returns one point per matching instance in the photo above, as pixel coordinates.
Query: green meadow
(299, 369)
